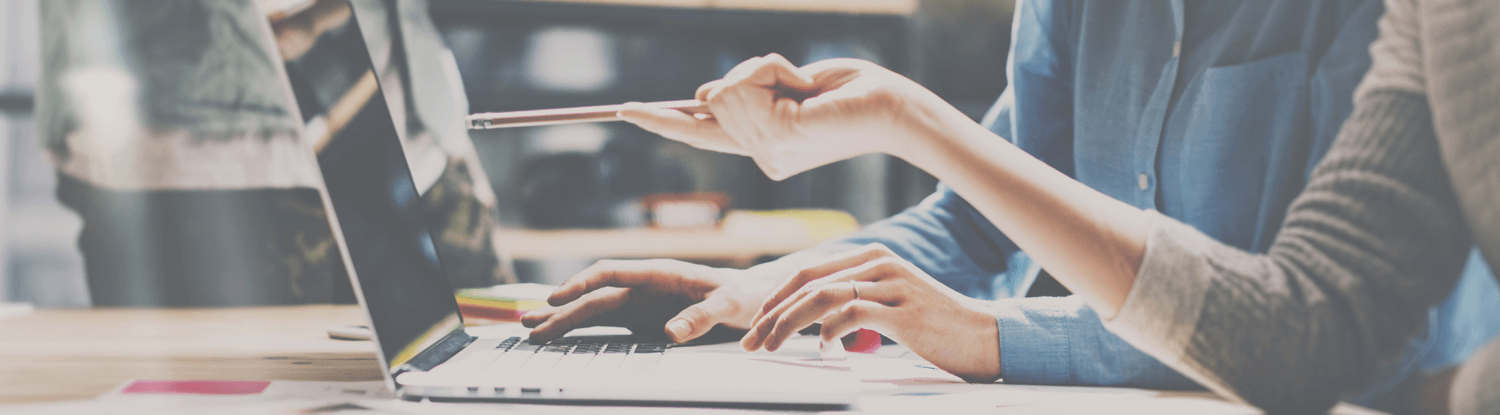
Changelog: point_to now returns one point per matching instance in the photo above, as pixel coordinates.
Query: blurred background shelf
(895, 7)
(529, 54)
(742, 240)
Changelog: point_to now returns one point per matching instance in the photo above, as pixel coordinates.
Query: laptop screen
(379, 212)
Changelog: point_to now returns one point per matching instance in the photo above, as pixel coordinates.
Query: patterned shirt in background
(185, 96)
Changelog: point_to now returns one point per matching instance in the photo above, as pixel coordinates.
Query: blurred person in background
(175, 140)
(1213, 114)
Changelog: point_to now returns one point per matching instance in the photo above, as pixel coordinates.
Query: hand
(684, 299)
(790, 119)
(895, 298)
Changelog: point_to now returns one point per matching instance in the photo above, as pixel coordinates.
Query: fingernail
(679, 329)
(750, 342)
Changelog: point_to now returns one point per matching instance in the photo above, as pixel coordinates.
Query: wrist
(974, 353)
(931, 131)
(987, 339)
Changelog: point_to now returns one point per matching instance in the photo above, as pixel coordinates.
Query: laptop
(424, 348)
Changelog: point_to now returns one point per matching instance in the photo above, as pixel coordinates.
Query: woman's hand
(1092, 243)
(790, 119)
(873, 288)
(681, 299)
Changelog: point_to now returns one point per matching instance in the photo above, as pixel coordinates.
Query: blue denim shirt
(1213, 113)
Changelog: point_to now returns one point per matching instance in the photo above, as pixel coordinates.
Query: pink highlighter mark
(197, 387)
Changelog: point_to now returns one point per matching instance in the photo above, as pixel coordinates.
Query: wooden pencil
(601, 113)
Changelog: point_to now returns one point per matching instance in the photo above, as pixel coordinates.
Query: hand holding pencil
(788, 119)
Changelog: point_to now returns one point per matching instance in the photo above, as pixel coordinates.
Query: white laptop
(425, 351)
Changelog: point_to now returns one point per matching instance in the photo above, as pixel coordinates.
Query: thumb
(776, 71)
(698, 318)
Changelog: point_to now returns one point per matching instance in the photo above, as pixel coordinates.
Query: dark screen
(365, 170)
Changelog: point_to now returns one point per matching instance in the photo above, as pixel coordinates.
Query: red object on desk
(862, 341)
(196, 387)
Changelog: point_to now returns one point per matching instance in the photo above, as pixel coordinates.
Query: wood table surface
(58, 355)
(75, 354)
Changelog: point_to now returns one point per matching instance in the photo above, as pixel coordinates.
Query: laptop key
(508, 343)
(525, 346)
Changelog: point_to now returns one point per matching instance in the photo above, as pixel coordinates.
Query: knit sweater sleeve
(1370, 244)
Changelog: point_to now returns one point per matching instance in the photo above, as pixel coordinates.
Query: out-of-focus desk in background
(743, 238)
(894, 7)
(712, 246)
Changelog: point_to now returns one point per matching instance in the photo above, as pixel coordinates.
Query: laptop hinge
(438, 353)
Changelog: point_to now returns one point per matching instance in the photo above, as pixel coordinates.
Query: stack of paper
(503, 302)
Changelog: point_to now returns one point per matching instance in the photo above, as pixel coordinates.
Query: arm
(944, 236)
(1080, 235)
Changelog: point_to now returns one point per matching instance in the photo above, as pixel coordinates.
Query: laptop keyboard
(517, 357)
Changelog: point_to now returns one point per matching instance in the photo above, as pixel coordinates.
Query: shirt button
(1176, 48)
(1144, 181)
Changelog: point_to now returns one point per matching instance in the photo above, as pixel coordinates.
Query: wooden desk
(57, 355)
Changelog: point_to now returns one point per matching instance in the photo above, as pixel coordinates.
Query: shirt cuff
(1161, 312)
(1034, 344)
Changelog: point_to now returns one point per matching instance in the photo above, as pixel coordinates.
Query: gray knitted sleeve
(1369, 245)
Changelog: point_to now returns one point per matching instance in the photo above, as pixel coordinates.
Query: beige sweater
(1379, 234)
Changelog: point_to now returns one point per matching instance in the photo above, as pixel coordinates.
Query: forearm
(1090, 242)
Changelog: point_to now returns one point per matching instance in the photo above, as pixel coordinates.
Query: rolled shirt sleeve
(1060, 341)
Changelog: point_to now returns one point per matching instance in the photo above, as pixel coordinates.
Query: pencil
(601, 113)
